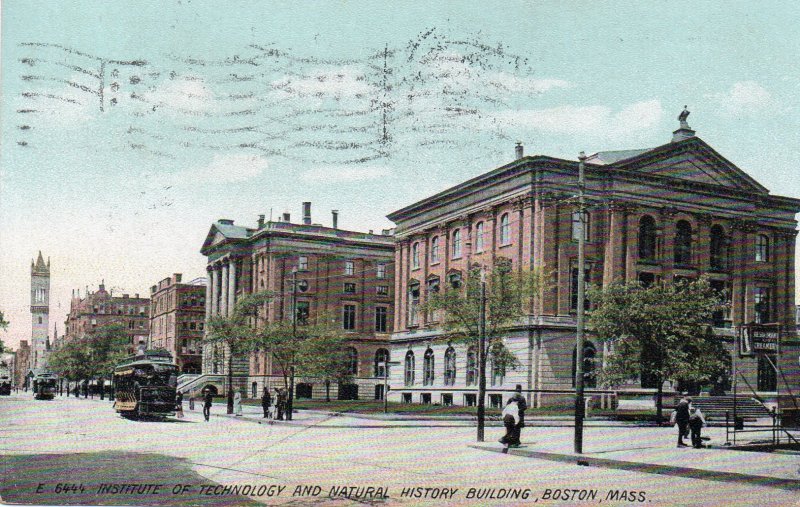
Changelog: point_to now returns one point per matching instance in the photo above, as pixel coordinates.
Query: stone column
(209, 282)
(701, 243)
(614, 265)
(223, 302)
(214, 289)
(231, 285)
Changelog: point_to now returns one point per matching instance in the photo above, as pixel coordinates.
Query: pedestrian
(523, 406)
(696, 423)
(266, 400)
(280, 404)
(237, 403)
(682, 420)
(179, 405)
(207, 401)
(191, 402)
(511, 421)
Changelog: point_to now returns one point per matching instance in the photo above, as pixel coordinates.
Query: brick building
(679, 210)
(343, 274)
(99, 308)
(177, 320)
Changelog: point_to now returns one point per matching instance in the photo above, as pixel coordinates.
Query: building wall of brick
(177, 321)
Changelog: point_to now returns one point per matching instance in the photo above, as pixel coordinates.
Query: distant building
(100, 308)
(40, 312)
(177, 320)
(342, 274)
(22, 364)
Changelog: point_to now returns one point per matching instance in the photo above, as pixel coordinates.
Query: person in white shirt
(510, 421)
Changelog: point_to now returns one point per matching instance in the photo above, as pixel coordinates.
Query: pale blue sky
(257, 106)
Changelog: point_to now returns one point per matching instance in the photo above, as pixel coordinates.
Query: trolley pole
(482, 360)
(290, 398)
(386, 384)
(580, 405)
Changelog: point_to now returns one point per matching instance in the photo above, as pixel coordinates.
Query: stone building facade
(22, 363)
(346, 276)
(679, 210)
(177, 320)
(100, 308)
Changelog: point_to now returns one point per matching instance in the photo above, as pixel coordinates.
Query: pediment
(213, 238)
(695, 161)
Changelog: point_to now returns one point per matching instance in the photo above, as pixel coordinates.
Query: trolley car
(44, 386)
(145, 385)
(5, 379)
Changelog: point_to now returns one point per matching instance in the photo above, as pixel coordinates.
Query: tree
(509, 296)
(3, 327)
(660, 332)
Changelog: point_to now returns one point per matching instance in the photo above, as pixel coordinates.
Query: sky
(128, 127)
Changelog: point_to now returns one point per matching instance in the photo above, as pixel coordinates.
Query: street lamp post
(290, 398)
(482, 360)
(580, 406)
(385, 365)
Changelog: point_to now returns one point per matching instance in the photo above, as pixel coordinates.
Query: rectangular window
(380, 319)
(761, 300)
(425, 398)
(496, 400)
(406, 397)
(470, 400)
(303, 308)
(762, 248)
(302, 263)
(576, 219)
(349, 317)
(381, 271)
(382, 290)
(349, 268)
(349, 288)
(447, 400)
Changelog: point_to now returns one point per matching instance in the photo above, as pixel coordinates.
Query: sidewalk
(653, 450)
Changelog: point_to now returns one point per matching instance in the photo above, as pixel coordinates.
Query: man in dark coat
(682, 420)
(522, 405)
(266, 401)
(207, 401)
(280, 404)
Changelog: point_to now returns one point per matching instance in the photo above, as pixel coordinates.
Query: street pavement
(342, 460)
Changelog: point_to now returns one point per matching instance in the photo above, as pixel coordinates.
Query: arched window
(450, 366)
(456, 244)
(719, 248)
(589, 357)
(498, 369)
(472, 366)
(435, 250)
(479, 237)
(683, 244)
(505, 230)
(647, 238)
(427, 368)
(409, 369)
(381, 358)
(762, 248)
(415, 255)
(352, 361)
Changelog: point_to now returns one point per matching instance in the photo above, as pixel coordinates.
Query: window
(505, 230)
(382, 290)
(40, 320)
(496, 400)
(447, 400)
(454, 279)
(406, 397)
(427, 368)
(450, 366)
(409, 370)
(472, 366)
(646, 279)
(433, 285)
(381, 271)
(761, 298)
(349, 288)
(352, 361)
(498, 369)
(479, 237)
(349, 317)
(470, 400)
(425, 398)
(683, 244)
(762, 248)
(415, 256)
(719, 248)
(381, 358)
(767, 378)
(435, 250)
(456, 244)
(576, 220)
(413, 303)
(302, 263)
(302, 312)
(380, 319)
(573, 284)
(722, 316)
(349, 268)
(647, 238)
(589, 355)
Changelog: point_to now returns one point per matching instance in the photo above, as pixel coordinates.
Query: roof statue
(682, 118)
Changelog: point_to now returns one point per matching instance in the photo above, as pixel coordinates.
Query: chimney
(335, 215)
(225, 221)
(136, 295)
(518, 150)
(287, 217)
(260, 221)
(307, 213)
(177, 277)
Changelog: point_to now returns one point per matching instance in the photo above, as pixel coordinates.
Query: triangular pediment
(695, 161)
(213, 238)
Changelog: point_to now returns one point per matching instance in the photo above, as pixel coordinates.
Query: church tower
(40, 310)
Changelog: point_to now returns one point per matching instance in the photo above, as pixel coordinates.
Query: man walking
(522, 405)
(682, 419)
(207, 401)
(266, 401)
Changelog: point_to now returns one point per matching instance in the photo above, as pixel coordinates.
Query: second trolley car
(44, 386)
(145, 385)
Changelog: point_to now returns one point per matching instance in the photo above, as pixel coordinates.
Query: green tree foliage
(92, 356)
(3, 327)
(509, 296)
(660, 332)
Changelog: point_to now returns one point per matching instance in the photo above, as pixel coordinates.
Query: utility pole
(482, 359)
(580, 405)
(386, 384)
(290, 398)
